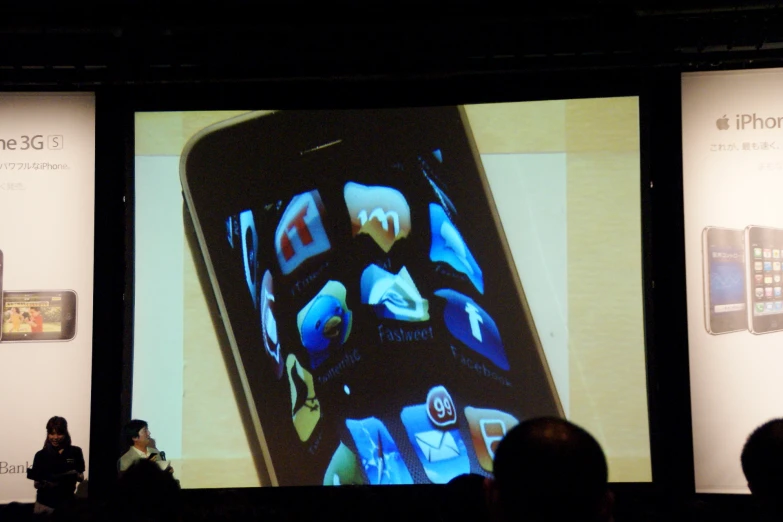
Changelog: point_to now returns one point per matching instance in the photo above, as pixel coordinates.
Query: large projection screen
(564, 176)
(47, 178)
(732, 165)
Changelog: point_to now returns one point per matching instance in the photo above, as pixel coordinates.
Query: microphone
(162, 455)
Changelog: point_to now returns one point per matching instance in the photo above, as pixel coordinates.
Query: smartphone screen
(367, 291)
(39, 316)
(2, 318)
(724, 267)
(764, 270)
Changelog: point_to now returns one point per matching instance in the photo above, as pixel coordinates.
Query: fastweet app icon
(380, 458)
(324, 322)
(249, 237)
(305, 407)
(449, 247)
(380, 212)
(441, 451)
(487, 429)
(474, 327)
(394, 296)
(269, 323)
(300, 234)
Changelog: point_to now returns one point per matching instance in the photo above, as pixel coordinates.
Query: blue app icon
(442, 452)
(379, 456)
(767, 266)
(470, 324)
(449, 247)
(324, 322)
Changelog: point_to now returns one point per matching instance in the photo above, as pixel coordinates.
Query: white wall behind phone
(736, 378)
(46, 236)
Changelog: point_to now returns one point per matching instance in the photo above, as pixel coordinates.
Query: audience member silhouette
(146, 493)
(548, 469)
(762, 463)
(466, 497)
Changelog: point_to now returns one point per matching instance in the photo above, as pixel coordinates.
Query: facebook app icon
(471, 325)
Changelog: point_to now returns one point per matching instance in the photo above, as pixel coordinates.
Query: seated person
(762, 464)
(548, 469)
(138, 437)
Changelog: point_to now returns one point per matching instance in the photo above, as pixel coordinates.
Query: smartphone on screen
(764, 255)
(39, 316)
(723, 256)
(367, 290)
(2, 316)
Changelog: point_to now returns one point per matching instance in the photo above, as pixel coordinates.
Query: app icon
(768, 307)
(487, 429)
(756, 252)
(759, 293)
(778, 305)
(449, 247)
(775, 253)
(393, 296)
(440, 407)
(767, 253)
(776, 278)
(777, 291)
(768, 280)
(759, 308)
(380, 212)
(767, 266)
(378, 453)
(300, 234)
(757, 265)
(230, 230)
(442, 453)
(776, 266)
(768, 291)
(249, 237)
(269, 324)
(344, 469)
(469, 323)
(759, 279)
(325, 321)
(305, 407)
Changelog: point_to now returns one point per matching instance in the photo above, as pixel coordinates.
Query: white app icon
(437, 445)
(394, 296)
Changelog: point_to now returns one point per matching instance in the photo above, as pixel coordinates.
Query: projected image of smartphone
(763, 276)
(39, 316)
(723, 256)
(379, 329)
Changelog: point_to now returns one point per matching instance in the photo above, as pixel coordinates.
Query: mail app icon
(437, 445)
(442, 453)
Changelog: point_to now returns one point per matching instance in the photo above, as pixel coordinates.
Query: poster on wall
(378, 227)
(47, 175)
(733, 181)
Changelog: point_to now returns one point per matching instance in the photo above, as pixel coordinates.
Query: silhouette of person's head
(762, 463)
(549, 469)
(147, 493)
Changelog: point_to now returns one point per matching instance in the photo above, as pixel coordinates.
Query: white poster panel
(47, 180)
(733, 196)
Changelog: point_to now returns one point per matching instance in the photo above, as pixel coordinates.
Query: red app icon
(487, 429)
(440, 407)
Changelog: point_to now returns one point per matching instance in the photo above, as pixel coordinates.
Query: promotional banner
(348, 293)
(733, 178)
(47, 175)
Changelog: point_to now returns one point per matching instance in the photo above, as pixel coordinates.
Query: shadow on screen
(225, 346)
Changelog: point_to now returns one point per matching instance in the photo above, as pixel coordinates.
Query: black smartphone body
(725, 301)
(764, 295)
(39, 316)
(379, 329)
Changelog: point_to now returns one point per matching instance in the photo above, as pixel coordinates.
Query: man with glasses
(138, 437)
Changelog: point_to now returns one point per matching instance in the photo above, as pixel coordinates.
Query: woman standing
(56, 468)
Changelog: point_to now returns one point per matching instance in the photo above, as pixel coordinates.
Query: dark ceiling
(124, 41)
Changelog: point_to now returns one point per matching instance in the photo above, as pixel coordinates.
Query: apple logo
(722, 123)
